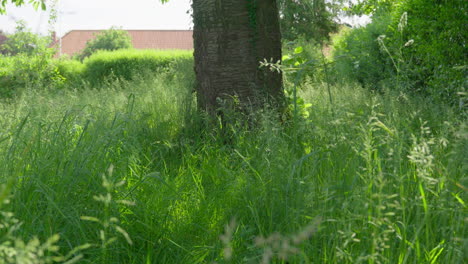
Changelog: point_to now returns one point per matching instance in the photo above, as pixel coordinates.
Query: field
(105, 156)
(131, 172)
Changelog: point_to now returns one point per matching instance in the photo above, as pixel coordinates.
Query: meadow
(131, 172)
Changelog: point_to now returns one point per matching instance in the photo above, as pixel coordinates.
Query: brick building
(75, 41)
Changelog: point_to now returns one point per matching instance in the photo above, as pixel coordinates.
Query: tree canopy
(369, 7)
(309, 19)
(112, 39)
(35, 3)
(23, 41)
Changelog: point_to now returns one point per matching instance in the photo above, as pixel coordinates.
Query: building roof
(75, 41)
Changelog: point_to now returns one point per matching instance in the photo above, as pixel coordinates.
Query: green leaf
(298, 50)
(35, 5)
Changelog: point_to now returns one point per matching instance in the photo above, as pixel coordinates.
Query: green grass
(370, 179)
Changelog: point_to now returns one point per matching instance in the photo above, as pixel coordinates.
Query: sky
(103, 14)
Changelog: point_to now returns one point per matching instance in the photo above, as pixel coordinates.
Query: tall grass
(380, 179)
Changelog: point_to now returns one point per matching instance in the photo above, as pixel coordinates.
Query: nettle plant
(295, 67)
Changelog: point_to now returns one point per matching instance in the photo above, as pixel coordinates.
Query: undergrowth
(135, 175)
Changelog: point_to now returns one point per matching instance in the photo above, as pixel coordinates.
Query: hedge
(38, 71)
(126, 64)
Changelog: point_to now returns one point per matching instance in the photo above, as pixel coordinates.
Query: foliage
(301, 53)
(371, 178)
(110, 229)
(112, 39)
(125, 64)
(303, 62)
(35, 3)
(298, 65)
(27, 62)
(72, 71)
(308, 19)
(371, 7)
(39, 71)
(436, 62)
(358, 56)
(23, 71)
(23, 41)
(13, 249)
(382, 178)
(417, 46)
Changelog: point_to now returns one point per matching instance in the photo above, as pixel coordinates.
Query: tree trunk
(231, 37)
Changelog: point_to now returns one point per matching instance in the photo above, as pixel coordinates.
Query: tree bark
(231, 37)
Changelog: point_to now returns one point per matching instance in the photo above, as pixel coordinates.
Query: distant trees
(23, 41)
(112, 39)
(308, 19)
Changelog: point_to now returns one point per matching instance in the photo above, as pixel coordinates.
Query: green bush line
(71, 70)
(125, 64)
(23, 71)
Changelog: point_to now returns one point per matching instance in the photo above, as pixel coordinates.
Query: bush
(41, 71)
(359, 58)
(71, 70)
(438, 55)
(22, 71)
(112, 39)
(23, 41)
(26, 63)
(415, 45)
(126, 64)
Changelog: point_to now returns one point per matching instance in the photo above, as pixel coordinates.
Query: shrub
(414, 45)
(22, 71)
(26, 63)
(112, 39)
(358, 56)
(71, 70)
(438, 55)
(126, 64)
(23, 41)
(41, 71)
